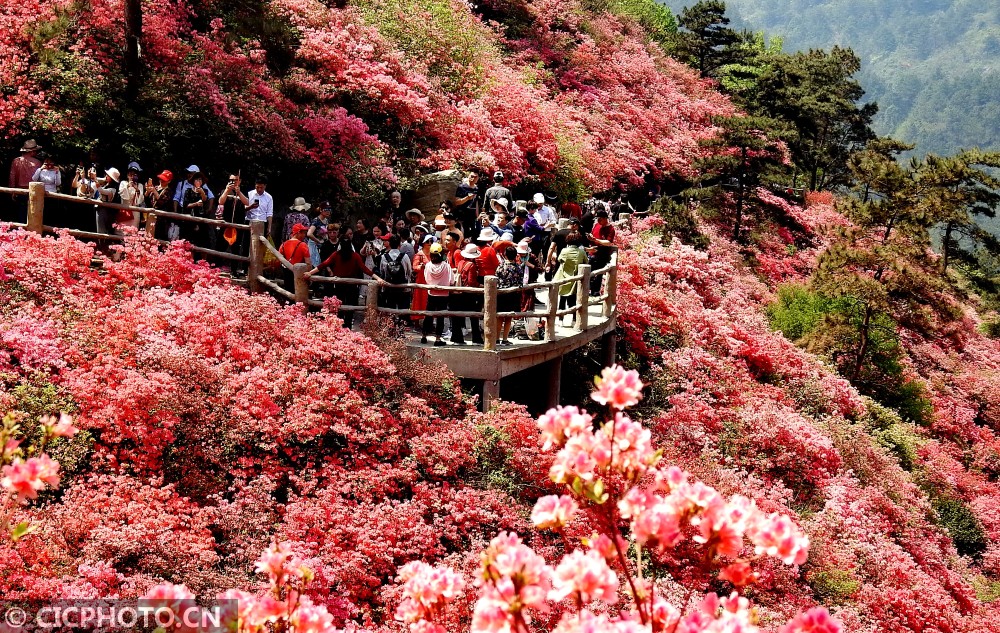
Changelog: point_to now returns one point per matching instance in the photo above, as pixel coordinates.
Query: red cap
(166, 175)
(299, 227)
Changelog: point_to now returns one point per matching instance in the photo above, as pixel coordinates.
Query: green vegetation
(930, 65)
(492, 454)
(832, 586)
(963, 527)
(727, 176)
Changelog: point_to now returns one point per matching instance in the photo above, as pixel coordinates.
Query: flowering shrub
(602, 469)
(753, 415)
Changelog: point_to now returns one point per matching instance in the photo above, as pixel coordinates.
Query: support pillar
(151, 225)
(36, 206)
(256, 266)
(301, 284)
(609, 351)
(491, 393)
(554, 369)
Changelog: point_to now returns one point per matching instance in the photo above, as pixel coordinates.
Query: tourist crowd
(475, 234)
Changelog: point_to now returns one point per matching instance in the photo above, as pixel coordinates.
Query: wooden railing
(37, 196)
(257, 282)
(490, 292)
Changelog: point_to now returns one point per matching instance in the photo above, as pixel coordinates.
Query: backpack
(394, 271)
(468, 273)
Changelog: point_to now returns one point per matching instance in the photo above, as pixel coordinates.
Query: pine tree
(960, 194)
(881, 267)
(707, 39)
(744, 150)
(815, 93)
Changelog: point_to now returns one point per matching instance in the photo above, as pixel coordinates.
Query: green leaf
(22, 529)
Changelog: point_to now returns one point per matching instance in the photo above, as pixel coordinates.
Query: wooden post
(301, 284)
(151, 224)
(583, 298)
(555, 381)
(36, 206)
(490, 313)
(550, 321)
(611, 290)
(371, 303)
(256, 267)
(609, 351)
(491, 393)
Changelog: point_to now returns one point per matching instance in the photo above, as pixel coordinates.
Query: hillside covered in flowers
(815, 428)
(349, 97)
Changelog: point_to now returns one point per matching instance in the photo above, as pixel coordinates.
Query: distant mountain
(933, 66)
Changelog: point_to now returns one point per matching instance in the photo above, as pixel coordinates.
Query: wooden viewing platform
(594, 317)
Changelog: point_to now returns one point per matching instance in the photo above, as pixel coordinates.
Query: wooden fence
(257, 282)
(490, 292)
(37, 196)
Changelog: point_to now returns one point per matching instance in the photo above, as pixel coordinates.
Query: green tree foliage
(655, 18)
(744, 150)
(960, 194)
(816, 93)
(881, 268)
(930, 65)
(751, 57)
(962, 525)
(706, 40)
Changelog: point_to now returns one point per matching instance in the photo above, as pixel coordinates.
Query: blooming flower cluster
(516, 584)
(25, 469)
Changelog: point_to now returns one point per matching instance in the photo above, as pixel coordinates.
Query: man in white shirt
(546, 215)
(259, 203)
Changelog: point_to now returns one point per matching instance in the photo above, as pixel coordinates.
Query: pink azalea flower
(553, 511)
(776, 535)
(514, 573)
(267, 609)
(310, 618)
(815, 620)
(739, 573)
(618, 388)
(26, 478)
(168, 592)
(169, 597)
(424, 588)
(273, 561)
(562, 422)
(631, 446)
(61, 427)
(491, 615)
(238, 607)
(586, 575)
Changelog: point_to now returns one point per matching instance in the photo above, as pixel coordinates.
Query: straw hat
(30, 146)
(300, 205)
(487, 235)
(113, 174)
(471, 251)
(415, 213)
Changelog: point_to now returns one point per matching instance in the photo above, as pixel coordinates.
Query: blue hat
(193, 169)
(134, 166)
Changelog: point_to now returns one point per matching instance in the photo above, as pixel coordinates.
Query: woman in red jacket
(345, 262)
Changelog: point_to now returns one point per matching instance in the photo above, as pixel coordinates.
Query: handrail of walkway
(489, 313)
(257, 282)
(36, 221)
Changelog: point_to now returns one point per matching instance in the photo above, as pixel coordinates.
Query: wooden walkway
(595, 317)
